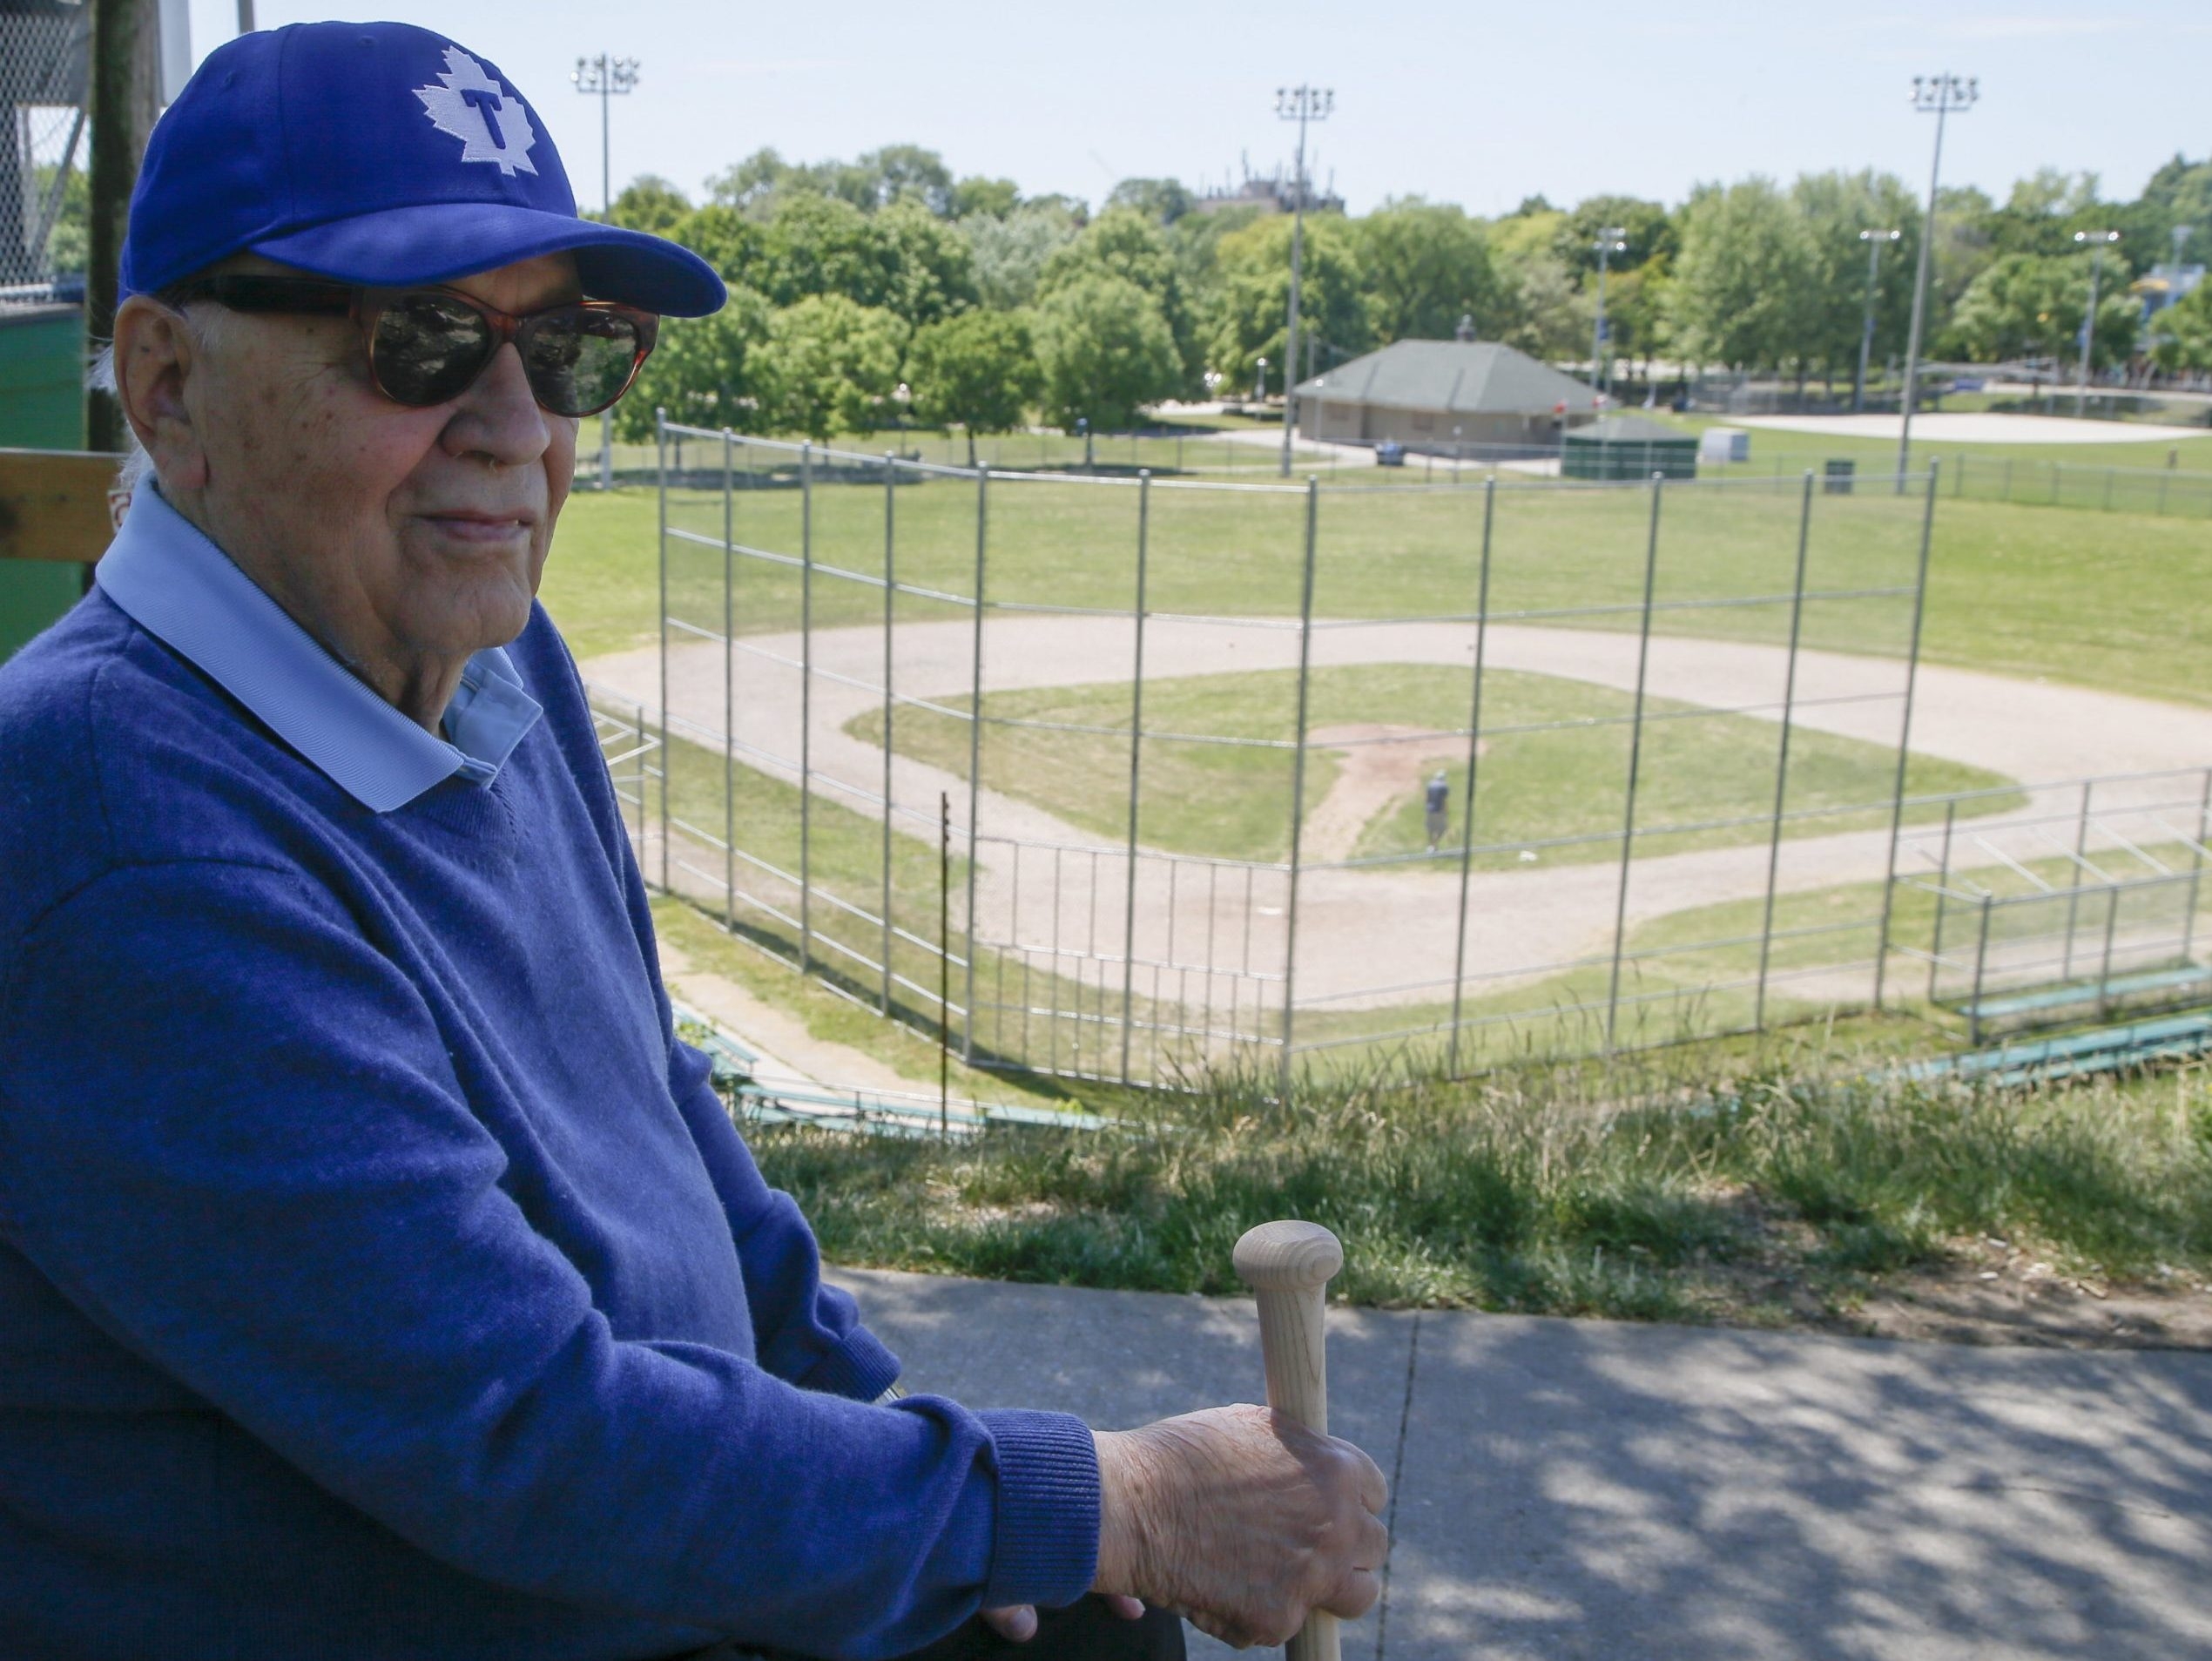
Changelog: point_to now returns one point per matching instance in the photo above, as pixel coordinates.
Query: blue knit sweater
(379, 1277)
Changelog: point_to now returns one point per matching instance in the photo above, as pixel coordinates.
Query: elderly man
(379, 1277)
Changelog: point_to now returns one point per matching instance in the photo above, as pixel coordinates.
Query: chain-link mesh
(44, 52)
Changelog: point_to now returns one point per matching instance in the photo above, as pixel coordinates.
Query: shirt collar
(180, 587)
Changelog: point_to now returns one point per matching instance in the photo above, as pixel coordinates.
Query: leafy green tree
(1008, 255)
(822, 245)
(723, 236)
(2180, 336)
(1427, 264)
(1252, 306)
(1740, 289)
(976, 196)
(1649, 235)
(978, 370)
(1835, 207)
(1539, 311)
(1162, 200)
(649, 203)
(1105, 352)
(702, 372)
(2030, 305)
(932, 267)
(828, 365)
(1123, 242)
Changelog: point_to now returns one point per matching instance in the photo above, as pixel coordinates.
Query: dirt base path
(1373, 937)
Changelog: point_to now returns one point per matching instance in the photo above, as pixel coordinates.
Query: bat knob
(1287, 1256)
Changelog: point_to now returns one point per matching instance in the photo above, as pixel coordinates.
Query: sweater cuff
(860, 1367)
(1045, 1550)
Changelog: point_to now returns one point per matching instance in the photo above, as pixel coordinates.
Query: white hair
(208, 324)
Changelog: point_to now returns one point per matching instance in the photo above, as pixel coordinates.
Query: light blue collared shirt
(180, 587)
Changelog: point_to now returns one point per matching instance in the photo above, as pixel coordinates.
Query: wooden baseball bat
(1287, 1264)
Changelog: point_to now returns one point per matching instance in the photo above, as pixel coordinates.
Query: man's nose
(498, 417)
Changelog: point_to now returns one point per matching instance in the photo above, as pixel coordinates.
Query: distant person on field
(380, 1276)
(1438, 795)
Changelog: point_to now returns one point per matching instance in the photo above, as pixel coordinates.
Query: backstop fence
(1153, 776)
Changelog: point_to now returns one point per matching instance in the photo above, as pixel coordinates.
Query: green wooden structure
(1629, 447)
(42, 407)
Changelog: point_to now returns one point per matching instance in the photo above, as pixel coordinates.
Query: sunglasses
(427, 346)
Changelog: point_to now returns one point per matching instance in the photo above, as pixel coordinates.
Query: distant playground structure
(1697, 779)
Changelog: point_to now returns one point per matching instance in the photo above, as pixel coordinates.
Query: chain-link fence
(43, 63)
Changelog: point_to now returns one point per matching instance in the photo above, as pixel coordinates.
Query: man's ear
(155, 360)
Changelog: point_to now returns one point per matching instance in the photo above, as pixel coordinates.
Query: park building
(1463, 397)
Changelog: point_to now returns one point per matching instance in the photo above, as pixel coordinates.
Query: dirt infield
(1374, 936)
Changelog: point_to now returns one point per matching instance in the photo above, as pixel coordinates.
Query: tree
(1162, 200)
(821, 245)
(1253, 306)
(979, 369)
(701, 372)
(1835, 207)
(1741, 285)
(2180, 336)
(1009, 254)
(979, 198)
(1105, 352)
(1539, 312)
(735, 245)
(1645, 227)
(2030, 305)
(1123, 242)
(931, 265)
(649, 203)
(1427, 264)
(828, 365)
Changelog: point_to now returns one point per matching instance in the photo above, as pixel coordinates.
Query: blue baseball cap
(381, 154)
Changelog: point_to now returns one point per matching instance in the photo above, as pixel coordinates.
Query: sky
(1480, 104)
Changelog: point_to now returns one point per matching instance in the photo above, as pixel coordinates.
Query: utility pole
(1610, 240)
(2100, 240)
(126, 40)
(1301, 105)
(605, 77)
(245, 17)
(1873, 239)
(1936, 95)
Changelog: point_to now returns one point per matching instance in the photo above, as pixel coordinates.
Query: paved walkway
(1592, 1489)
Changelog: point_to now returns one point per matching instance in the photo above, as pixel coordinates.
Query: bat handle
(1288, 1265)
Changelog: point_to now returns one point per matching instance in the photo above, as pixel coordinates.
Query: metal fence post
(1635, 763)
(1943, 898)
(2074, 878)
(806, 708)
(890, 597)
(975, 757)
(728, 692)
(1475, 751)
(2196, 867)
(2104, 969)
(1782, 753)
(1136, 750)
(1981, 970)
(1298, 783)
(667, 755)
(1905, 731)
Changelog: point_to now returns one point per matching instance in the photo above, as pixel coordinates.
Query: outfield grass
(2120, 601)
(1762, 1194)
(1559, 782)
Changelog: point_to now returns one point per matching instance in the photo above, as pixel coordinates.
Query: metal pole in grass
(2197, 866)
(945, 965)
(640, 759)
(1136, 751)
(890, 592)
(1297, 780)
(1943, 897)
(1941, 96)
(805, 705)
(1982, 970)
(2074, 883)
(729, 693)
(2104, 968)
(1905, 728)
(1635, 762)
(667, 756)
(975, 750)
(1475, 752)
(1781, 751)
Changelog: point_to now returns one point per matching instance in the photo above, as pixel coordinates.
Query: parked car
(1390, 453)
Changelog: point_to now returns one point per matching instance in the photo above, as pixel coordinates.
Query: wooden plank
(54, 505)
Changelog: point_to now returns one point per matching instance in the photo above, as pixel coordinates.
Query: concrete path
(1589, 1489)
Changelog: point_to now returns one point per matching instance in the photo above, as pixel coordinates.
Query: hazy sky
(1478, 104)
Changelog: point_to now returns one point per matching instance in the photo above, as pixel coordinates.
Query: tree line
(883, 289)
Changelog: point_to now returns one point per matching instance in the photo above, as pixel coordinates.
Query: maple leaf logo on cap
(477, 109)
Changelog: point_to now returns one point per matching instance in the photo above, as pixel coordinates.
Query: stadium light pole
(2100, 240)
(1939, 96)
(1873, 239)
(606, 78)
(1611, 241)
(1302, 105)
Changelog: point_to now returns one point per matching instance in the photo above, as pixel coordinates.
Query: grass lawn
(1777, 1190)
(1554, 773)
(2121, 601)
